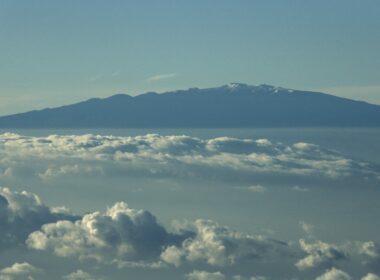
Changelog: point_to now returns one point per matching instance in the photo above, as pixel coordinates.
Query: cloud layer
(128, 238)
(179, 156)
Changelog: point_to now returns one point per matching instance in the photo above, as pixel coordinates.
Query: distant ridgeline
(234, 105)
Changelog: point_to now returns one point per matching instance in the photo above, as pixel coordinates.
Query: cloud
(80, 275)
(334, 274)
(370, 250)
(204, 275)
(125, 234)
(307, 228)
(120, 233)
(299, 189)
(371, 276)
(125, 237)
(155, 155)
(257, 189)
(21, 213)
(319, 253)
(220, 246)
(160, 77)
(19, 271)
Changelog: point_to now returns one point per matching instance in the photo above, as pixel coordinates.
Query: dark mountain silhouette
(234, 105)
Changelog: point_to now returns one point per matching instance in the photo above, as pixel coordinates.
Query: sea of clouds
(169, 156)
(122, 238)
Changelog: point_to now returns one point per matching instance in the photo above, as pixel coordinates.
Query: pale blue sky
(58, 52)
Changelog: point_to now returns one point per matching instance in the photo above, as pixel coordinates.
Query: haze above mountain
(233, 105)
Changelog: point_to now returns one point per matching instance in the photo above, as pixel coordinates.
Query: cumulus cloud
(129, 238)
(19, 271)
(319, 253)
(126, 237)
(370, 249)
(60, 155)
(21, 213)
(334, 274)
(125, 234)
(219, 246)
(120, 233)
(371, 276)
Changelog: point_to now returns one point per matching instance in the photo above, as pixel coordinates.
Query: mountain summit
(232, 105)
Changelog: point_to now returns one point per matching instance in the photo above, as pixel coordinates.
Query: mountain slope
(234, 105)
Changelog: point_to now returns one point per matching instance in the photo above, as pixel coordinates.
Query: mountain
(233, 105)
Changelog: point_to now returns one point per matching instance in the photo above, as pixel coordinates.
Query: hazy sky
(58, 52)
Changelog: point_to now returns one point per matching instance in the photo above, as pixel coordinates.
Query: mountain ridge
(232, 105)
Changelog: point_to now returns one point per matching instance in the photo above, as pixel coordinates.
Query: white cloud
(160, 77)
(299, 189)
(22, 213)
(204, 275)
(319, 253)
(371, 276)
(54, 156)
(334, 274)
(19, 271)
(121, 233)
(257, 189)
(220, 246)
(370, 249)
(80, 275)
(130, 238)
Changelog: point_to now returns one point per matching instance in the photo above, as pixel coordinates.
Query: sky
(59, 52)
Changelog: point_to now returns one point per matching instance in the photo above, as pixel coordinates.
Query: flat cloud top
(178, 155)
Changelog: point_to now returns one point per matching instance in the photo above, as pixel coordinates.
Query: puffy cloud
(181, 155)
(133, 238)
(319, 253)
(370, 276)
(125, 234)
(21, 213)
(334, 274)
(120, 233)
(217, 245)
(19, 271)
(370, 249)
(204, 275)
(130, 238)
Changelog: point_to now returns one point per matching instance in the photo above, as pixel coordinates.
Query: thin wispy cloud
(160, 77)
